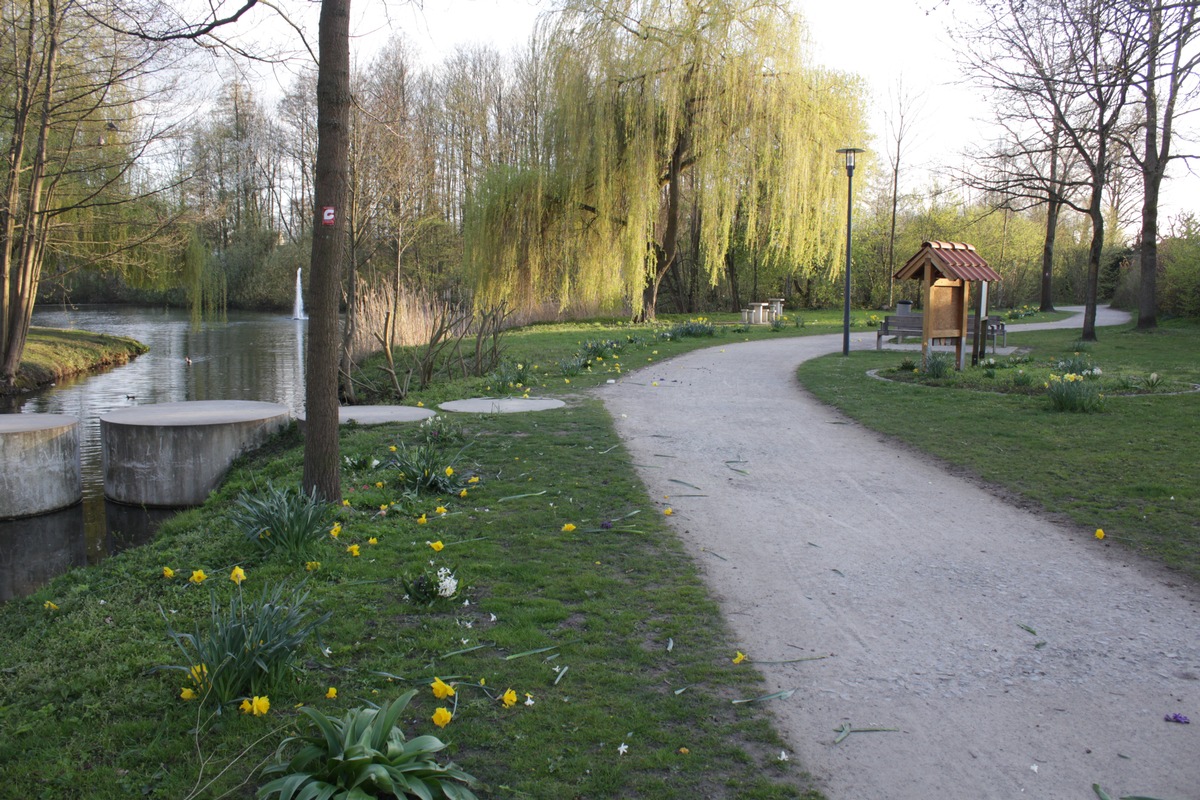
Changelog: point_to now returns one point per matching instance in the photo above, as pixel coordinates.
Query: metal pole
(846, 292)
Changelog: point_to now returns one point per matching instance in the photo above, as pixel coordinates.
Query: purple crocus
(1180, 718)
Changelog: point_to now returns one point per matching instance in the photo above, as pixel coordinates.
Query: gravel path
(925, 591)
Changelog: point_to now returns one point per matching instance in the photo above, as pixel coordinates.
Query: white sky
(884, 41)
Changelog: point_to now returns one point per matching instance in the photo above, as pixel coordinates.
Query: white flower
(623, 749)
(467, 602)
(783, 756)
(528, 699)
(374, 463)
(494, 616)
(447, 583)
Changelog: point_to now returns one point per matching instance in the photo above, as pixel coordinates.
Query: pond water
(248, 356)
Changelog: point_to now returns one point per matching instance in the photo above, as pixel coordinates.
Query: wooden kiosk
(946, 270)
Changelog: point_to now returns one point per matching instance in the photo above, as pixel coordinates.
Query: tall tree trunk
(666, 255)
(321, 461)
(1095, 251)
(1052, 208)
(30, 245)
(731, 271)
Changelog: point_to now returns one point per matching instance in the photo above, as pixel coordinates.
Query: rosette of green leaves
(286, 521)
(362, 755)
(248, 649)
(427, 468)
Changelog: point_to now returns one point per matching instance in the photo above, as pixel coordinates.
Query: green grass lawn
(629, 649)
(1132, 469)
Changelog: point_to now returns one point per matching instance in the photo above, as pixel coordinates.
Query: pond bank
(52, 355)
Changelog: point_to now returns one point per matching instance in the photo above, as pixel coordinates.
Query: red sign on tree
(328, 215)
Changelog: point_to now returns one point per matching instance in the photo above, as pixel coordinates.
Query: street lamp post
(849, 153)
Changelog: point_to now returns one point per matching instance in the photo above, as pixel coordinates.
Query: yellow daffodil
(449, 471)
(49, 606)
(258, 706)
(474, 479)
(312, 566)
(568, 528)
(168, 573)
(187, 694)
(383, 508)
(566, 380)
(442, 717)
(331, 694)
(392, 448)
(440, 510)
(378, 484)
(441, 690)
(353, 550)
(437, 546)
(198, 577)
(421, 520)
(372, 540)
(346, 503)
(336, 530)
(420, 404)
(739, 658)
(238, 575)
(463, 493)
(199, 673)
(1099, 533)
(509, 699)
(668, 511)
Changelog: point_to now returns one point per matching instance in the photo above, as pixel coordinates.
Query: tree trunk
(1052, 209)
(30, 244)
(731, 271)
(321, 468)
(1095, 251)
(665, 256)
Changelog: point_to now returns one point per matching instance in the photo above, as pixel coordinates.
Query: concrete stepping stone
(40, 454)
(501, 405)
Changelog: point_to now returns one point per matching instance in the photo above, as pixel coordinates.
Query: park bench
(901, 325)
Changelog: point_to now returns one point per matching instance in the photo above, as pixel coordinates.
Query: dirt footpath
(1017, 657)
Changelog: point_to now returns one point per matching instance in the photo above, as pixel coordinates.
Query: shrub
(1022, 379)
(939, 365)
(907, 365)
(362, 755)
(510, 374)
(286, 520)
(439, 429)
(248, 650)
(696, 328)
(1071, 392)
(1076, 363)
(426, 468)
(570, 367)
(431, 585)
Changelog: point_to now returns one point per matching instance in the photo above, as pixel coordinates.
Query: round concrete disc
(501, 405)
(377, 415)
(195, 412)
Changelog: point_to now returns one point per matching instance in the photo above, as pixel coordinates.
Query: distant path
(923, 585)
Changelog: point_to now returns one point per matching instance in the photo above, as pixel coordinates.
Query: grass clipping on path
(553, 639)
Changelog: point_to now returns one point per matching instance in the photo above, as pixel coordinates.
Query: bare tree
(1165, 78)
(1069, 62)
(904, 106)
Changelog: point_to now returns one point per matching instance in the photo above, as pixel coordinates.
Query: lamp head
(849, 153)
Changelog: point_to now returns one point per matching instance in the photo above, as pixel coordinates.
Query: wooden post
(927, 315)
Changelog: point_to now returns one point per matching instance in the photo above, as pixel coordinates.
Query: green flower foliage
(426, 468)
(364, 755)
(248, 649)
(286, 520)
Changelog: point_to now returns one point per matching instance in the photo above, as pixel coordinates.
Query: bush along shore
(53, 355)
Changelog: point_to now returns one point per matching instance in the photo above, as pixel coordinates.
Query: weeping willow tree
(641, 94)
